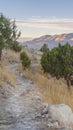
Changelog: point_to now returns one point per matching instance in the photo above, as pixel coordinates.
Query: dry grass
(6, 76)
(10, 56)
(54, 91)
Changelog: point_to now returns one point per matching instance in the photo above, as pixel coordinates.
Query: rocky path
(19, 105)
(21, 108)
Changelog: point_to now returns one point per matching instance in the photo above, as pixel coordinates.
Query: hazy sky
(40, 17)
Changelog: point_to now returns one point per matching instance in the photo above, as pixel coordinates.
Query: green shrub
(8, 34)
(25, 60)
(16, 47)
(58, 61)
(44, 48)
(45, 61)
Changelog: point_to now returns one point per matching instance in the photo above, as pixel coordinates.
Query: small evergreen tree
(8, 33)
(44, 48)
(16, 47)
(58, 61)
(25, 60)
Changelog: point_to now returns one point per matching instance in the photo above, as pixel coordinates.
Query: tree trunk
(0, 54)
(68, 81)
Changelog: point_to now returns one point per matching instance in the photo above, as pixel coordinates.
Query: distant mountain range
(51, 40)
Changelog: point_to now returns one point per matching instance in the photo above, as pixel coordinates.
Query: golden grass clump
(6, 76)
(10, 56)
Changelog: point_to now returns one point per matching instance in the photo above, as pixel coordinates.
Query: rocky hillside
(50, 40)
(31, 100)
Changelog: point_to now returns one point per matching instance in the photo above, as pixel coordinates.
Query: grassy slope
(54, 91)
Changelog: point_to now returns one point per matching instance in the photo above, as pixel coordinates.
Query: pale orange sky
(38, 27)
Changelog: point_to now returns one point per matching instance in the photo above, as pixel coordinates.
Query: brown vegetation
(8, 56)
(6, 76)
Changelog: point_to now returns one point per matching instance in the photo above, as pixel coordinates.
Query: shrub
(16, 47)
(45, 61)
(25, 60)
(8, 33)
(58, 61)
(44, 48)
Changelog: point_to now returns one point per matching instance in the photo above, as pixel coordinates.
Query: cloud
(65, 24)
(35, 27)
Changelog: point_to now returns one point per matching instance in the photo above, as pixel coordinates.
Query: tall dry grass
(54, 91)
(6, 76)
(9, 56)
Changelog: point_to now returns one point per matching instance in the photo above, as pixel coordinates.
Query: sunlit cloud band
(47, 23)
(50, 25)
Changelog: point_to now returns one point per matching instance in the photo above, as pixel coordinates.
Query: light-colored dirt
(19, 105)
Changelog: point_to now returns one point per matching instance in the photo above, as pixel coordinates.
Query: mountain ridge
(51, 40)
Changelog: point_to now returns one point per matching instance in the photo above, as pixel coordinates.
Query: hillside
(51, 40)
(29, 97)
